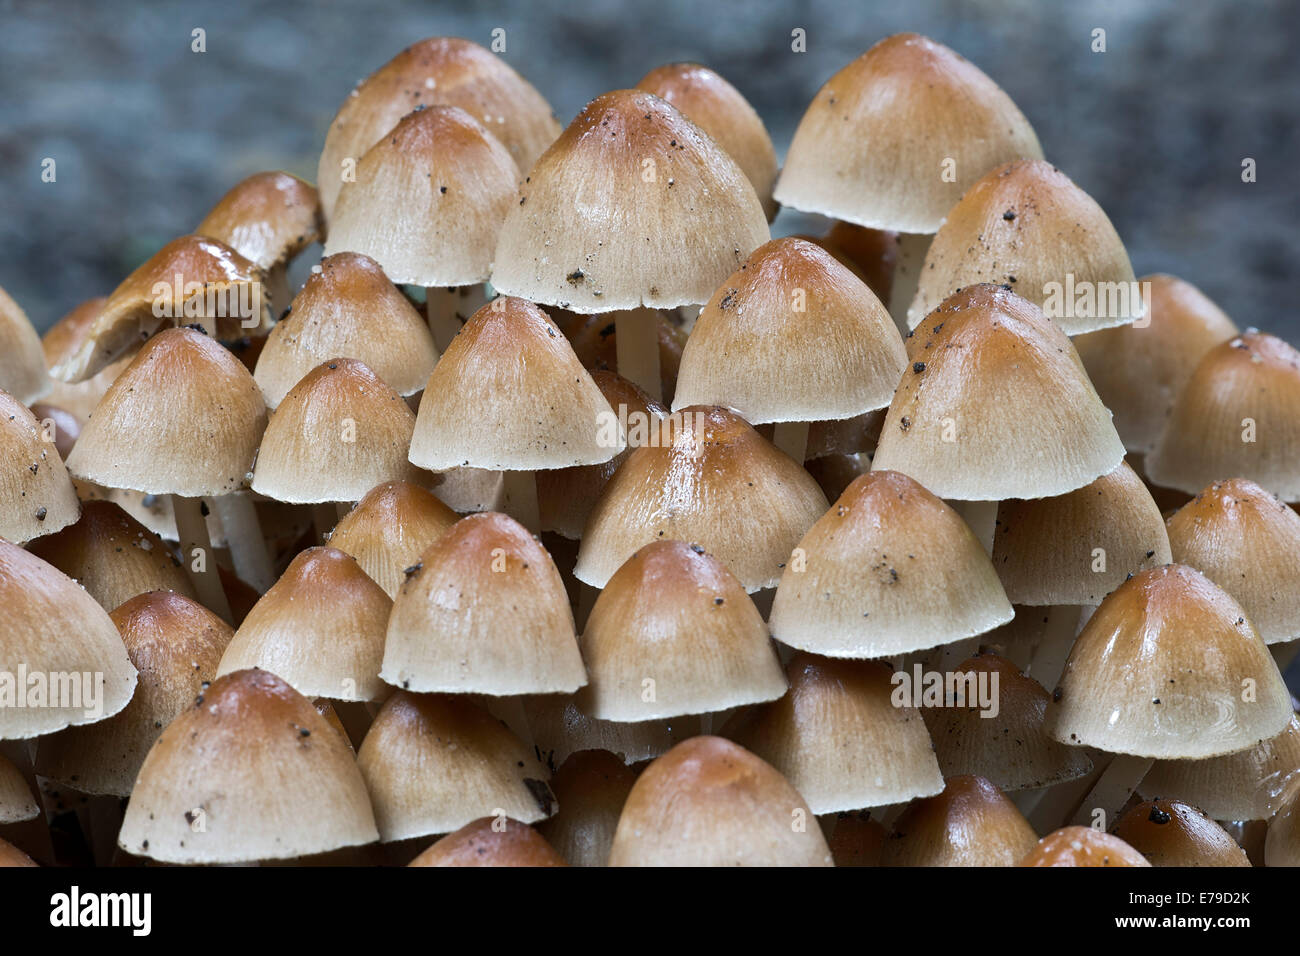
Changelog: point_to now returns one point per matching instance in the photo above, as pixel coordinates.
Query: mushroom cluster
(562, 515)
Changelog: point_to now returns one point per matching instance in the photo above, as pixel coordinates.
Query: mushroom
(1082, 846)
(491, 841)
(16, 801)
(1172, 833)
(594, 337)
(22, 361)
(591, 787)
(561, 729)
(971, 823)
(36, 494)
(1282, 844)
(856, 839)
(11, 856)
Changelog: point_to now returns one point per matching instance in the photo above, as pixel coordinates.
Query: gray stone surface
(147, 134)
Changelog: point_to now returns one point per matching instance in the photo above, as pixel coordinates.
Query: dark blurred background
(147, 134)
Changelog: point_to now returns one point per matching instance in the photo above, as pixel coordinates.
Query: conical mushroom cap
(1237, 416)
(718, 108)
(1083, 846)
(675, 617)
(1247, 541)
(839, 738)
(428, 200)
(1171, 833)
(216, 283)
(709, 802)
(591, 787)
(338, 433)
(184, 418)
(1282, 845)
(484, 612)
(22, 362)
(1011, 747)
(971, 823)
(1078, 547)
(792, 335)
(510, 395)
(36, 494)
(1161, 670)
(390, 527)
(707, 477)
(1247, 785)
(874, 142)
(113, 556)
(16, 801)
(434, 763)
(996, 405)
(267, 218)
(633, 205)
(560, 728)
(438, 70)
(1026, 223)
(347, 308)
(491, 841)
(1138, 370)
(11, 856)
(888, 569)
(59, 343)
(175, 644)
(320, 628)
(61, 659)
(250, 772)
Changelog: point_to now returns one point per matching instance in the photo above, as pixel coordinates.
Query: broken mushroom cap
(485, 612)
(792, 335)
(1247, 541)
(491, 841)
(710, 802)
(390, 528)
(705, 476)
(434, 71)
(718, 108)
(175, 644)
(1027, 224)
(839, 738)
(250, 771)
(675, 617)
(185, 418)
(338, 433)
(267, 218)
(560, 728)
(22, 361)
(1282, 844)
(347, 308)
(434, 763)
(36, 495)
(1010, 746)
(510, 395)
(971, 823)
(1169, 667)
(1237, 416)
(1078, 547)
(686, 214)
(1138, 370)
(52, 628)
(591, 787)
(888, 569)
(428, 200)
(1172, 833)
(995, 405)
(875, 143)
(1082, 846)
(16, 801)
(320, 628)
(188, 280)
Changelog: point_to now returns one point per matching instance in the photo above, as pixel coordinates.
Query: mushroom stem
(982, 516)
(324, 516)
(1112, 790)
(244, 536)
(636, 348)
(521, 499)
(447, 310)
(1054, 645)
(200, 560)
(1058, 802)
(792, 438)
(912, 248)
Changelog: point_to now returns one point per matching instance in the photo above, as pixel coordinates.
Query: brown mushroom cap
(560, 729)
(390, 527)
(11, 856)
(709, 802)
(1172, 833)
(267, 218)
(839, 738)
(874, 142)
(175, 644)
(1083, 846)
(36, 494)
(437, 70)
(249, 772)
(857, 839)
(706, 477)
(491, 841)
(971, 823)
(22, 361)
(591, 787)
(1282, 844)
(1169, 667)
(185, 417)
(996, 405)
(686, 215)
(59, 343)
